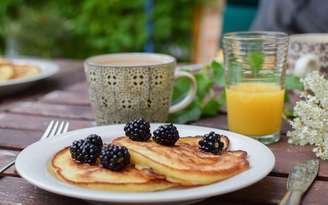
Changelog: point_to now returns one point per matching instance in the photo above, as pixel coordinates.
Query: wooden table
(24, 116)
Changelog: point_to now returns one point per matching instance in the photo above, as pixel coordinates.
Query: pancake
(185, 163)
(6, 72)
(23, 71)
(96, 177)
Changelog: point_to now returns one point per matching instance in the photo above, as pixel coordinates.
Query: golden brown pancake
(22, 71)
(6, 72)
(4, 61)
(185, 163)
(96, 177)
(11, 71)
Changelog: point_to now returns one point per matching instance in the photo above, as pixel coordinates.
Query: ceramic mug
(127, 86)
(308, 52)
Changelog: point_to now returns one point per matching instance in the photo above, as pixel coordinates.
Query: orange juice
(255, 109)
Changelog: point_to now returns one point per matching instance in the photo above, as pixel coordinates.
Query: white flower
(311, 124)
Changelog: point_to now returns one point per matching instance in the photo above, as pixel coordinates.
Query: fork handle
(7, 165)
(291, 198)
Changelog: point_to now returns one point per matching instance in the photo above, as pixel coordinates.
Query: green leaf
(218, 73)
(206, 103)
(255, 60)
(289, 112)
(204, 84)
(222, 98)
(286, 97)
(211, 108)
(180, 89)
(191, 113)
(293, 82)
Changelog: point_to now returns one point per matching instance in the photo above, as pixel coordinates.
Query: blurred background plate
(47, 68)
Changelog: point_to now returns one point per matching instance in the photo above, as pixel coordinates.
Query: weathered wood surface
(269, 191)
(24, 116)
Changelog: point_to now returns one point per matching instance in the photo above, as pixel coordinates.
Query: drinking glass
(255, 66)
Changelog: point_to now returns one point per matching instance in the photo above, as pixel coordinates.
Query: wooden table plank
(16, 191)
(5, 156)
(18, 139)
(219, 121)
(271, 189)
(32, 122)
(51, 110)
(289, 155)
(268, 191)
(79, 87)
(66, 98)
(71, 72)
(11, 171)
(7, 102)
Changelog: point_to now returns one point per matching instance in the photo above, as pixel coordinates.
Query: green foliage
(206, 103)
(255, 60)
(91, 27)
(26, 33)
(293, 82)
(211, 107)
(218, 73)
(204, 83)
(190, 114)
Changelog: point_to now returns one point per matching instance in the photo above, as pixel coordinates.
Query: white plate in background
(47, 68)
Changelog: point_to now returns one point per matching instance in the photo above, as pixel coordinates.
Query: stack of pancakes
(154, 167)
(10, 70)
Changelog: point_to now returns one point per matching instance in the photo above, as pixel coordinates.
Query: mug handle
(187, 100)
(306, 64)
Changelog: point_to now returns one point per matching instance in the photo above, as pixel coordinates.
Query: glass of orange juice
(255, 65)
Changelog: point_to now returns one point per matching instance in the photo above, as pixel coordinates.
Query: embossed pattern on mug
(123, 93)
(299, 48)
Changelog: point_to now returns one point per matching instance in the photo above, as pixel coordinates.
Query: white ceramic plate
(47, 68)
(33, 161)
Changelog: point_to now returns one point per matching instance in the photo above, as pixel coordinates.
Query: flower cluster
(311, 124)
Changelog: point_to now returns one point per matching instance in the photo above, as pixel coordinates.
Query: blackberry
(166, 135)
(82, 151)
(114, 157)
(138, 130)
(211, 143)
(95, 140)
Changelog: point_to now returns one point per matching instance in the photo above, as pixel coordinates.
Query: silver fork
(54, 128)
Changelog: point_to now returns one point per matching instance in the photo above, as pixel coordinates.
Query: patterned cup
(127, 86)
(308, 52)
